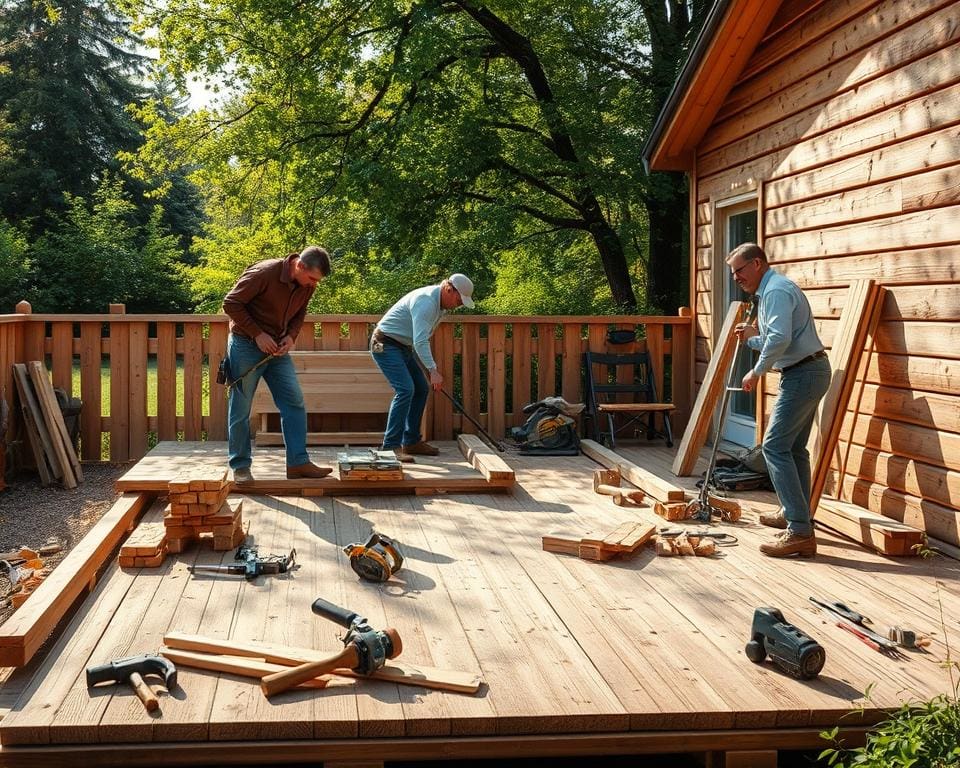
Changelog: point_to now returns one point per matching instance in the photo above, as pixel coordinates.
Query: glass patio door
(739, 226)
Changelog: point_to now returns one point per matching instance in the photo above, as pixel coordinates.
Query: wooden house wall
(846, 124)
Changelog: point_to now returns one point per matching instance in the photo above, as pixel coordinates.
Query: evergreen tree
(67, 72)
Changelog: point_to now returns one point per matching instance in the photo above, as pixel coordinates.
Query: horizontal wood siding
(493, 364)
(845, 122)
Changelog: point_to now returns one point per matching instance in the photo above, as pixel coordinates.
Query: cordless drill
(795, 652)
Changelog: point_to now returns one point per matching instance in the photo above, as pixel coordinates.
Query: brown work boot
(420, 449)
(774, 519)
(787, 543)
(242, 475)
(308, 471)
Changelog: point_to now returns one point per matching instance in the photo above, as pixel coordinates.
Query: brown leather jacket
(266, 299)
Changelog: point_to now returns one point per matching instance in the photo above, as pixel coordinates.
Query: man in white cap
(400, 343)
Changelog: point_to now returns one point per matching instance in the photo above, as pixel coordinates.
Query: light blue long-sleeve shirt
(785, 321)
(413, 319)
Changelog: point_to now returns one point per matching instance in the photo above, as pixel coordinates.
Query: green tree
(520, 120)
(67, 72)
(97, 253)
(13, 267)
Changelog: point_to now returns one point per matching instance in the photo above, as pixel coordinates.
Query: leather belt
(380, 336)
(804, 361)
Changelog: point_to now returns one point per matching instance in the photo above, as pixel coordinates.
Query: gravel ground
(30, 514)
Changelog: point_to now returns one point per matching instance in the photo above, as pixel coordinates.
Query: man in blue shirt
(786, 337)
(400, 344)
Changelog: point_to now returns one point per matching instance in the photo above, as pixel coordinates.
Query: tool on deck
(251, 565)
(857, 622)
(703, 507)
(365, 650)
(456, 404)
(132, 670)
(606, 482)
(376, 560)
(792, 650)
(369, 464)
(907, 638)
(550, 428)
(722, 539)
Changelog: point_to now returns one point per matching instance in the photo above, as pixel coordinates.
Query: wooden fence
(494, 364)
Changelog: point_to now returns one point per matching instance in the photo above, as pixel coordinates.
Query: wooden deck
(578, 658)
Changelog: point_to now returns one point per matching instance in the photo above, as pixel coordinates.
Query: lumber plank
(394, 671)
(709, 394)
(243, 666)
(858, 321)
(62, 445)
(654, 486)
(267, 439)
(24, 632)
(484, 459)
(36, 428)
(875, 531)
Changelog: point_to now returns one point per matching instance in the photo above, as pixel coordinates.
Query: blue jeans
(281, 378)
(785, 442)
(410, 391)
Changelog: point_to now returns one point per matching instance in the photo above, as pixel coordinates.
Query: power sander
(376, 560)
(793, 651)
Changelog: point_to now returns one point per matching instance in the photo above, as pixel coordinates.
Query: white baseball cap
(464, 286)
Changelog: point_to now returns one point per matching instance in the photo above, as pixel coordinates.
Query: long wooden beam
(394, 671)
(709, 394)
(653, 485)
(484, 459)
(26, 630)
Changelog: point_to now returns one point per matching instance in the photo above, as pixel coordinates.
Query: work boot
(242, 475)
(788, 543)
(774, 519)
(401, 456)
(308, 471)
(420, 449)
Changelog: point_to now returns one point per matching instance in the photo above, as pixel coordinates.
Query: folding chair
(606, 395)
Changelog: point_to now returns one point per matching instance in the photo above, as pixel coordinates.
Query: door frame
(739, 431)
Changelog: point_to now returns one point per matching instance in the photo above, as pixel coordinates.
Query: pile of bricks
(199, 510)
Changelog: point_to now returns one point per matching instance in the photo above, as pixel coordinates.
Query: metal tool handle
(336, 614)
(495, 443)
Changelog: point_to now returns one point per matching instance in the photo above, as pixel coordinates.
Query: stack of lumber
(53, 451)
(887, 536)
(623, 541)
(685, 544)
(199, 510)
(199, 506)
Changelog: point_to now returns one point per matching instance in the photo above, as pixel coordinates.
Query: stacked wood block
(146, 547)
(622, 541)
(199, 508)
(685, 544)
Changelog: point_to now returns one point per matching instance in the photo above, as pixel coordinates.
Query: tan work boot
(774, 519)
(420, 449)
(401, 456)
(787, 543)
(308, 471)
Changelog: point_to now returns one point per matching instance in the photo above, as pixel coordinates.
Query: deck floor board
(566, 647)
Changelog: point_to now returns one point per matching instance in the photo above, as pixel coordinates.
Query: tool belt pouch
(223, 372)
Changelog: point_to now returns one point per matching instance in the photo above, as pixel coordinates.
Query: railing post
(682, 370)
(119, 387)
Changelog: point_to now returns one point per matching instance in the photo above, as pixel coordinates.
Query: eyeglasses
(739, 269)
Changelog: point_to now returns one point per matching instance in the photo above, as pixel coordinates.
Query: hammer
(607, 483)
(131, 670)
(365, 651)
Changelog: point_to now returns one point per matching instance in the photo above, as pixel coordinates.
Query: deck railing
(117, 363)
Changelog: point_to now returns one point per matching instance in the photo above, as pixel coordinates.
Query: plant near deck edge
(918, 735)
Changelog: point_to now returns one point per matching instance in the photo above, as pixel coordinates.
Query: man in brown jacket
(266, 309)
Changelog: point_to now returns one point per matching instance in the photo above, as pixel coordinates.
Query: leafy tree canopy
(427, 136)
